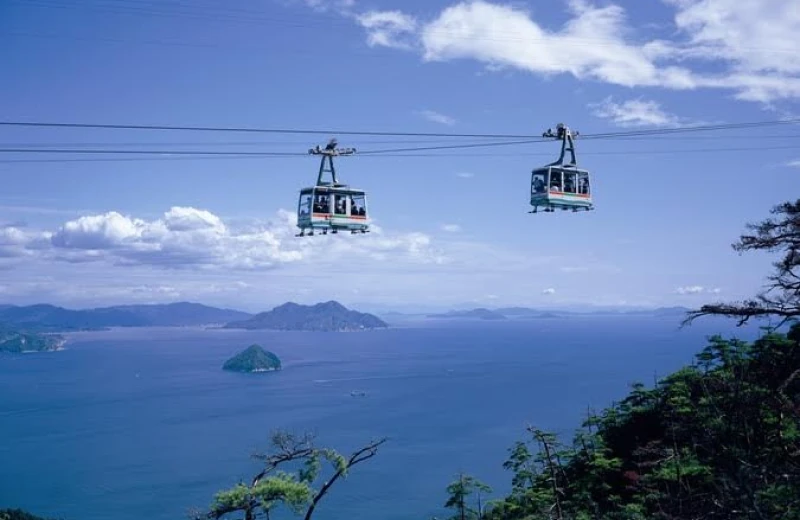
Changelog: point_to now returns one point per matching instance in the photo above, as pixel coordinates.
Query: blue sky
(449, 230)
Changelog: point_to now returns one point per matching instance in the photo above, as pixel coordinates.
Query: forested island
(329, 316)
(253, 359)
(18, 341)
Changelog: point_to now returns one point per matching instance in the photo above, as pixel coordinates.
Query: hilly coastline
(44, 317)
(527, 313)
(481, 314)
(329, 316)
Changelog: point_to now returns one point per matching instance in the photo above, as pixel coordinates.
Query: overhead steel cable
(148, 152)
(161, 156)
(257, 153)
(605, 135)
(454, 146)
(257, 130)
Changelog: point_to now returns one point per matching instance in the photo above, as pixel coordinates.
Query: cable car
(561, 185)
(331, 206)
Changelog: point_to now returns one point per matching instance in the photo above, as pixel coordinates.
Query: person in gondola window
(538, 185)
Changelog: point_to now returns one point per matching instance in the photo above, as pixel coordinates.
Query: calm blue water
(143, 424)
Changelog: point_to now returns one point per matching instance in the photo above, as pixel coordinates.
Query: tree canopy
(718, 439)
(781, 296)
(287, 479)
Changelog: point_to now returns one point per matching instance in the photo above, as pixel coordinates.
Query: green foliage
(293, 488)
(266, 495)
(460, 491)
(718, 439)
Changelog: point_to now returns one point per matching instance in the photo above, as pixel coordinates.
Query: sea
(143, 424)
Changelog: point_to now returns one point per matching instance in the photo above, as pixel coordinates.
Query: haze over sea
(134, 424)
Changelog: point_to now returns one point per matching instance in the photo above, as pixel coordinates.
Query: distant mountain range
(328, 316)
(529, 313)
(481, 314)
(43, 317)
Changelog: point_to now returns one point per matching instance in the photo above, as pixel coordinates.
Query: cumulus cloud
(388, 28)
(696, 289)
(757, 39)
(634, 113)
(437, 117)
(192, 254)
(751, 43)
(186, 237)
(549, 291)
(18, 242)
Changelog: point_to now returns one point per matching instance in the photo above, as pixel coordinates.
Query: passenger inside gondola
(538, 183)
(357, 205)
(555, 181)
(341, 204)
(569, 182)
(321, 204)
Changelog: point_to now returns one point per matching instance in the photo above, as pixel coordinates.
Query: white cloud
(186, 237)
(590, 45)
(17, 242)
(697, 289)
(757, 38)
(634, 113)
(451, 228)
(388, 28)
(549, 291)
(794, 164)
(436, 117)
(193, 254)
(751, 43)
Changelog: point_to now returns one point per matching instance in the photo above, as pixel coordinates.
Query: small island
(18, 341)
(253, 359)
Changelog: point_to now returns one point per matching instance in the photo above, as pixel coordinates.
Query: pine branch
(365, 453)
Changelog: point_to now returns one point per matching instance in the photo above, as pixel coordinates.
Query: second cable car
(561, 185)
(331, 206)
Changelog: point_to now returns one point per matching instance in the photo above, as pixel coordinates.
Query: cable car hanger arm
(564, 134)
(327, 154)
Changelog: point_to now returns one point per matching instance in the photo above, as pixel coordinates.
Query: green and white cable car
(331, 206)
(561, 185)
